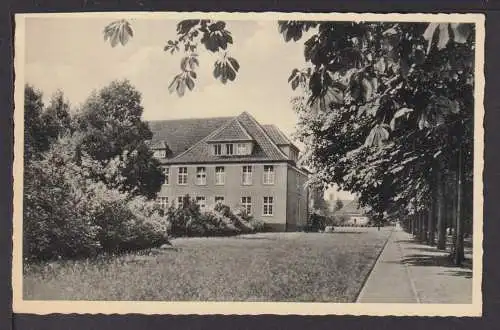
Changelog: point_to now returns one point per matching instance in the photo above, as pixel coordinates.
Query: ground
(306, 267)
(411, 272)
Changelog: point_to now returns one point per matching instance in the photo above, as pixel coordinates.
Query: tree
(43, 125)
(110, 121)
(338, 205)
(56, 117)
(34, 138)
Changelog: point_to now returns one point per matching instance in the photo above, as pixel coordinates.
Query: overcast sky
(69, 53)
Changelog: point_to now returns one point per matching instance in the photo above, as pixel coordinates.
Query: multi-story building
(235, 161)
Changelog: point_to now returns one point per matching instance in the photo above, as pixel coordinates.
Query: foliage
(382, 104)
(118, 32)
(111, 126)
(338, 205)
(56, 117)
(316, 222)
(319, 204)
(188, 220)
(70, 214)
(212, 34)
(43, 125)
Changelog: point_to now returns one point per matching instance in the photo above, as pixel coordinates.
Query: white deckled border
(251, 308)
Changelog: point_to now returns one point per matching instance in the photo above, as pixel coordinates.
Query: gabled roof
(276, 135)
(264, 148)
(181, 134)
(190, 140)
(233, 131)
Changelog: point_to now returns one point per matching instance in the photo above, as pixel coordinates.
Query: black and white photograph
(248, 163)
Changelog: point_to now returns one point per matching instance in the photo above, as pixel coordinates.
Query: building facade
(235, 161)
(352, 214)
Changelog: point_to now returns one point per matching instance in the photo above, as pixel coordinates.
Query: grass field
(301, 267)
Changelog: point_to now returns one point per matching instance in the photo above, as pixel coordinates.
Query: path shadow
(427, 249)
(406, 241)
(435, 260)
(256, 238)
(458, 273)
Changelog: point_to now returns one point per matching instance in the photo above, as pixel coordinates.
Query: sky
(69, 53)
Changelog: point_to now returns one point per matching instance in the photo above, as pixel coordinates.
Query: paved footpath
(410, 272)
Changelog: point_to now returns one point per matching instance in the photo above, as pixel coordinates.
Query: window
(247, 175)
(163, 202)
(220, 175)
(201, 202)
(180, 201)
(268, 206)
(219, 199)
(241, 149)
(166, 175)
(229, 149)
(246, 202)
(159, 154)
(182, 175)
(201, 176)
(217, 149)
(268, 174)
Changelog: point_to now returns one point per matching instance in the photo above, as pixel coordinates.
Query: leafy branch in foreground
(213, 35)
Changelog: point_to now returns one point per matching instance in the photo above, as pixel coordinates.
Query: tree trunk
(440, 210)
(459, 229)
(423, 227)
(431, 224)
(414, 224)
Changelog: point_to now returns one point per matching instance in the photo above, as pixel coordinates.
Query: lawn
(305, 267)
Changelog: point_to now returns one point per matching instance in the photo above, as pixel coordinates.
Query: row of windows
(220, 175)
(246, 203)
(230, 149)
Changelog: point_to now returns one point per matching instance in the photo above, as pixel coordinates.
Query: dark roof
(181, 134)
(276, 134)
(189, 140)
(232, 131)
(264, 148)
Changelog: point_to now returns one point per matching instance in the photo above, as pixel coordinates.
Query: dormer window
(232, 149)
(160, 153)
(217, 149)
(241, 149)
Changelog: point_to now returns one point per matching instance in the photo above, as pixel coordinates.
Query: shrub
(68, 213)
(221, 221)
(216, 224)
(185, 220)
(315, 223)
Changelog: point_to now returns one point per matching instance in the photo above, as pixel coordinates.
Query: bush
(185, 220)
(68, 213)
(221, 221)
(315, 223)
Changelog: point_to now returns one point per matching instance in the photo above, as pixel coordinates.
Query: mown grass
(303, 267)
